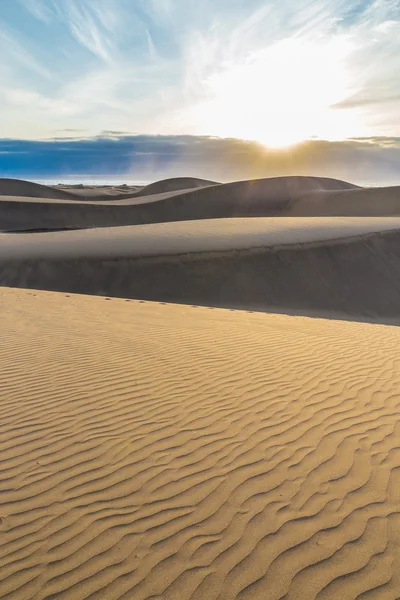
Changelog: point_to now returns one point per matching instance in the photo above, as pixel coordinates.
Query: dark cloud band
(362, 160)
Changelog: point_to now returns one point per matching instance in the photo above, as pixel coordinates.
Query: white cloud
(161, 62)
(14, 53)
(151, 45)
(87, 24)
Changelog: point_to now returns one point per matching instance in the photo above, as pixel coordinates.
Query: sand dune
(187, 237)
(107, 192)
(222, 257)
(166, 452)
(175, 452)
(264, 197)
(329, 267)
(18, 187)
(353, 203)
(174, 184)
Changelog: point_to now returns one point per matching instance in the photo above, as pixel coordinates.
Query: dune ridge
(269, 472)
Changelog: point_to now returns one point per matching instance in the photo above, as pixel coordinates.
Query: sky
(261, 87)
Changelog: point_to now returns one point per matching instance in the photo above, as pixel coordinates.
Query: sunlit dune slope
(165, 452)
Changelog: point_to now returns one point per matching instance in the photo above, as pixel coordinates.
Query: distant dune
(371, 202)
(174, 184)
(346, 267)
(18, 187)
(99, 193)
(284, 196)
(120, 192)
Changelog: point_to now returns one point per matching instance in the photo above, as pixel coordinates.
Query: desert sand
(189, 409)
(171, 452)
(297, 245)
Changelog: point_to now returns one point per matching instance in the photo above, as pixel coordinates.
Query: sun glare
(280, 96)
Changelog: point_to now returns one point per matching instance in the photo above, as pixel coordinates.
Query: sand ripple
(169, 452)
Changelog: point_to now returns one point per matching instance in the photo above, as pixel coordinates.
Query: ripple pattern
(165, 452)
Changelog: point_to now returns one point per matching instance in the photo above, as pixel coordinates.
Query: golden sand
(167, 452)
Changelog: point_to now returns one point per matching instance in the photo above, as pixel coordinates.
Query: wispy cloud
(161, 66)
(92, 25)
(40, 9)
(12, 47)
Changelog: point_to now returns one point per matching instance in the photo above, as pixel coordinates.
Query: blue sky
(277, 72)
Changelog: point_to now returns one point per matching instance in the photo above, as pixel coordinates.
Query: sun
(279, 96)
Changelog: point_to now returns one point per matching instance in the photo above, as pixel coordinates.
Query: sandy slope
(328, 267)
(108, 192)
(358, 202)
(171, 452)
(174, 184)
(19, 187)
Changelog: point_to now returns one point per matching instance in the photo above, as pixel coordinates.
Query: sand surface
(165, 452)
(155, 451)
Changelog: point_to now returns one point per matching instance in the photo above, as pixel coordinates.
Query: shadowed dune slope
(19, 187)
(305, 269)
(165, 452)
(361, 202)
(264, 197)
